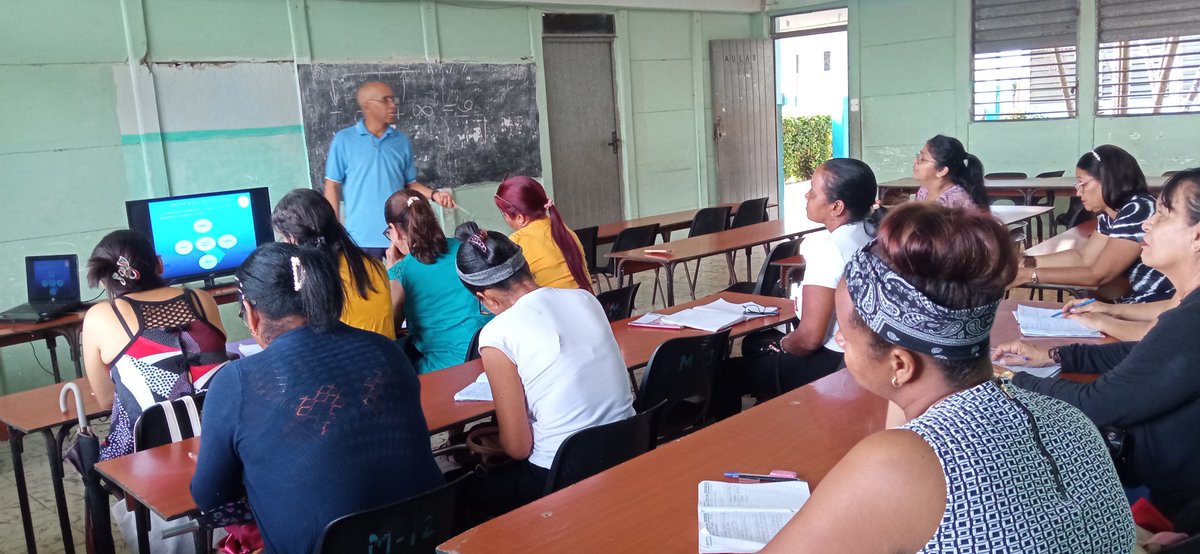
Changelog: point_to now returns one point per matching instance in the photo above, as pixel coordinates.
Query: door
(744, 121)
(584, 144)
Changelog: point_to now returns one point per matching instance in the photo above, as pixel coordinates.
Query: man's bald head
(372, 90)
(377, 103)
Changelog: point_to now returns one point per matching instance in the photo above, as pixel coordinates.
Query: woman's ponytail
(316, 280)
(566, 241)
(972, 181)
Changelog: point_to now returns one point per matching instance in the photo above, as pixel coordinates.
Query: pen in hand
(1072, 308)
(1011, 355)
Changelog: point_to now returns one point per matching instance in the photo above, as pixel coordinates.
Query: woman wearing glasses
(551, 360)
(324, 422)
(554, 253)
(442, 315)
(304, 217)
(1109, 183)
(949, 175)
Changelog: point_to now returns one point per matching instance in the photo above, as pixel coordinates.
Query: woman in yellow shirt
(304, 217)
(554, 253)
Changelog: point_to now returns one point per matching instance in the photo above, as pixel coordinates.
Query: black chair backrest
(1170, 173)
(630, 238)
(1050, 174)
(473, 347)
(1006, 175)
(1074, 215)
(417, 524)
(710, 220)
(588, 237)
(618, 303)
(596, 449)
(750, 212)
(768, 275)
(681, 372)
(168, 421)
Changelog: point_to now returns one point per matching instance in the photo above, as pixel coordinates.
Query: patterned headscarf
(905, 317)
(493, 275)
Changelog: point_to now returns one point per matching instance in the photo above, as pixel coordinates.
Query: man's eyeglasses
(760, 310)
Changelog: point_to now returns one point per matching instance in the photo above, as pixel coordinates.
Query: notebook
(738, 517)
(1038, 322)
(52, 286)
(718, 314)
(478, 391)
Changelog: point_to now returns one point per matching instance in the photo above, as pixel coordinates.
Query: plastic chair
(1012, 195)
(596, 449)
(629, 239)
(707, 221)
(473, 347)
(164, 423)
(748, 213)
(618, 303)
(1074, 215)
(768, 275)
(588, 238)
(1169, 173)
(417, 524)
(681, 372)
(1050, 174)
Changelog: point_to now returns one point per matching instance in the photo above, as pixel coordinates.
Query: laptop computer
(53, 288)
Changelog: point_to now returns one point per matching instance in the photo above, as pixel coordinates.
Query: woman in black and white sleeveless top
(981, 466)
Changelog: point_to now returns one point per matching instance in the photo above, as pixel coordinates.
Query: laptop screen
(52, 278)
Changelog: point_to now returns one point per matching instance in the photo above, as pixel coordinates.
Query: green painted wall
(910, 66)
(109, 100)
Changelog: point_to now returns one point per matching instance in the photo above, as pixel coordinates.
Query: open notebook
(478, 391)
(1037, 322)
(739, 517)
(718, 314)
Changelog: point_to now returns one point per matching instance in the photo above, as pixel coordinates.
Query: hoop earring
(896, 382)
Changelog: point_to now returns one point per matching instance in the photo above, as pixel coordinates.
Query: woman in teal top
(442, 315)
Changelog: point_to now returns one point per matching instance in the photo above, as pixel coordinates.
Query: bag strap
(189, 404)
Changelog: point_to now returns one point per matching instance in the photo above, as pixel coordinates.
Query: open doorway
(812, 97)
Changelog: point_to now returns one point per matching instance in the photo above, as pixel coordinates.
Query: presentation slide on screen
(202, 235)
(51, 276)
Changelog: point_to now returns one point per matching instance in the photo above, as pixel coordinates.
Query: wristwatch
(1055, 355)
(1034, 278)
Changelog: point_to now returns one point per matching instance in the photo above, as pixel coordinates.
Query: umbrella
(97, 522)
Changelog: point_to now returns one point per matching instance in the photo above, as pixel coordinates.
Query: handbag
(1119, 443)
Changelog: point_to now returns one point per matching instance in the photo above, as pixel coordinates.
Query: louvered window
(1149, 57)
(1024, 58)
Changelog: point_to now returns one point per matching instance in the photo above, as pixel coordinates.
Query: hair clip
(319, 241)
(125, 271)
(966, 162)
(413, 200)
(297, 274)
(477, 241)
(1095, 155)
(549, 203)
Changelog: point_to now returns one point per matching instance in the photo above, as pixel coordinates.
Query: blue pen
(1084, 303)
(758, 477)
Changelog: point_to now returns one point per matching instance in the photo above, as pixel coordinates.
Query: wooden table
(649, 503)
(694, 248)
(1028, 187)
(36, 411)
(638, 343)
(667, 223)
(788, 265)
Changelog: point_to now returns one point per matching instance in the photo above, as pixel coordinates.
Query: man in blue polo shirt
(367, 163)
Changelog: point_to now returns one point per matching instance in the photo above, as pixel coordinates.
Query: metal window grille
(1024, 59)
(1149, 57)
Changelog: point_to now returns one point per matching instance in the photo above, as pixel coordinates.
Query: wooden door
(584, 143)
(744, 119)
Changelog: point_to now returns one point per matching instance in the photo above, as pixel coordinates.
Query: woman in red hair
(554, 253)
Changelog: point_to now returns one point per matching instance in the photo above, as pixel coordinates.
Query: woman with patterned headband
(551, 360)
(1110, 183)
(981, 466)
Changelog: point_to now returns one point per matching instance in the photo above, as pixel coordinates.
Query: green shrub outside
(807, 143)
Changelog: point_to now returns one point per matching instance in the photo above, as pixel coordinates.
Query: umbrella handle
(62, 403)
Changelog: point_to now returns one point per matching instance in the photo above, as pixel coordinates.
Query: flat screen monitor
(203, 236)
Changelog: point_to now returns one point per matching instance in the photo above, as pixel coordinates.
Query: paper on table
(653, 321)
(249, 349)
(1036, 322)
(1043, 372)
(478, 391)
(719, 314)
(737, 517)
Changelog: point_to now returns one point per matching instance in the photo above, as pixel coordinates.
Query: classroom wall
(910, 67)
(210, 102)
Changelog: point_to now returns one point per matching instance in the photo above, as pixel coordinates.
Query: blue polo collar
(361, 126)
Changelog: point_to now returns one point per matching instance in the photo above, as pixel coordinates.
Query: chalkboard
(469, 123)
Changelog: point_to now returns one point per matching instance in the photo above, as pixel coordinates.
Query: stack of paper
(1043, 372)
(1037, 322)
(479, 391)
(744, 517)
(718, 314)
(653, 321)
